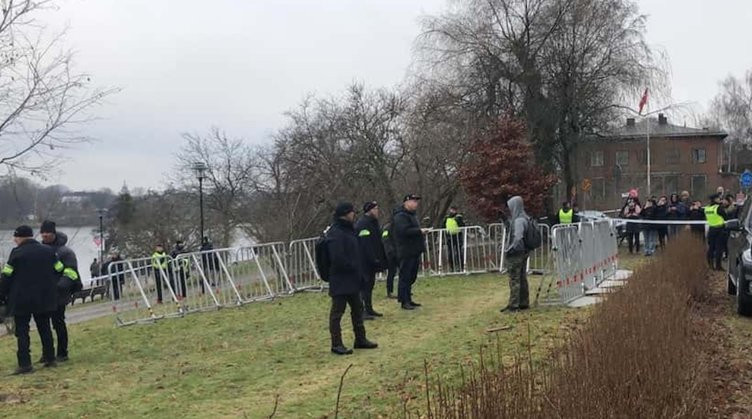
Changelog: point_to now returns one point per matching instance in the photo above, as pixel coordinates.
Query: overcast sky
(186, 65)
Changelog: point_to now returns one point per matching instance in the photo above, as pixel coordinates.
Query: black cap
(343, 208)
(48, 227)
(23, 231)
(411, 197)
(369, 206)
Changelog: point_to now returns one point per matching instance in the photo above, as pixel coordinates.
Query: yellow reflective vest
(452, 226)
(159, 260)
(712, 216)
(565, 217)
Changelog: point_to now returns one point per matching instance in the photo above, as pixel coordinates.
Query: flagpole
(647, 135)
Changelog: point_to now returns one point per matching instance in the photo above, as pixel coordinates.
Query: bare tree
(42, 98)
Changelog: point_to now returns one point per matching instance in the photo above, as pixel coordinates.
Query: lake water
(82, 241)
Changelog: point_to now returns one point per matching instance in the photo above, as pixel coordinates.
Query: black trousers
(42, 320)
(181, 277)
(633, 238)
(158, 280)
(115, 285)
(339, 303)
(391, 273)
(61, 330)
(716, 246)
(455, 254)
(369, 281)
(407, 275)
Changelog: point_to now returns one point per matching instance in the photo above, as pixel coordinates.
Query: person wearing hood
(409, 237)
(516, 257)
(390, 249)
(69, 283)
(374, 256)
(345, 279)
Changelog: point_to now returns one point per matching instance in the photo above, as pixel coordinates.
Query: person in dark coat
(661, 214)
(209, 262)
(70, 283)
(696, 213)
(453, 223)
(30, 281)
(374, 256)
(677, 211)
(345, 279)
(715, 215)
(117, 280)
(632, 211)
(392, 260)
(410, 245)
(649, 230)
(182, 270)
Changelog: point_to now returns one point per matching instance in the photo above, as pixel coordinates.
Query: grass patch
(234, 362)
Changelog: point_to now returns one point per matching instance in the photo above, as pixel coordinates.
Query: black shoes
(407, 306)
(391, 296)
(367, 316)
(341, 350)
(508, 309)
(23, 370)
(62, 358)
(374, 314)
(414, 304)
(50, 364)
(365, 344)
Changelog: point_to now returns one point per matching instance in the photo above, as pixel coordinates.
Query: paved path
(80, 313)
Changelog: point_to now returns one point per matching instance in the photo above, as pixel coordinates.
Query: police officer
(374, 256)
(183, 269)
(345, 279)
(566, 214)
(30, 280)
(160, 263)
(714, 215)
(410, 245)
(453, 224)
(69, 283)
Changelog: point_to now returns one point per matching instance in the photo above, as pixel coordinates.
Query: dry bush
(637, 356)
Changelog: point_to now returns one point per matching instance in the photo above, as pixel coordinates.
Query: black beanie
(48, 227)
(23, 231)
(343, 208)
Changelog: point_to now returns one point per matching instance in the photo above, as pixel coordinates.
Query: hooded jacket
(407, 234)
(67, 256)
(518, 222)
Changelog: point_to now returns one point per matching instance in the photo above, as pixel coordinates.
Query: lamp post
(200, 169)
(101, 212)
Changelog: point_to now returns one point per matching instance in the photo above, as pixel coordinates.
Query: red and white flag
(644, 100)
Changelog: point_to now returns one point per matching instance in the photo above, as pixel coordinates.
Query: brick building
(682, 158)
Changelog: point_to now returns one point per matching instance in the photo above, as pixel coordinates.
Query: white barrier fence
(580, 256)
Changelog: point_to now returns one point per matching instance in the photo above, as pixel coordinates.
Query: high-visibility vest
(711, 215)
(452, 226)
(159, 260)
(565, 217)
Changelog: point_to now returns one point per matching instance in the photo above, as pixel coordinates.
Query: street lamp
(200, 169)
(101, 212)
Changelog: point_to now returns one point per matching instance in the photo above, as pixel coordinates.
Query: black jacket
(661, 213)
(30, 279)
(407, 234)
(369, 237)
(67, 256)
(345, 275)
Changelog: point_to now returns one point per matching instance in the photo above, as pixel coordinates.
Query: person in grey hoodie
(516, 257)
(67, 285)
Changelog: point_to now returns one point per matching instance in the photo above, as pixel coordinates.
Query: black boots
(365, 344)
(23, 370)
(407, 306)
(341, 350)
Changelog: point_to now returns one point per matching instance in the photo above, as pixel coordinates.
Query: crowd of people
(658, 218)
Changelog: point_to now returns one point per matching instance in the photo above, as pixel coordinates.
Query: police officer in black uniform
(30, 280)
(410, 245)
(374, 256)
(345, 279)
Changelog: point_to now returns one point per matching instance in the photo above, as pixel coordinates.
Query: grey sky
(187, 65)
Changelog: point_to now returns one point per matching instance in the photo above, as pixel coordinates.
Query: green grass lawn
(235, 362)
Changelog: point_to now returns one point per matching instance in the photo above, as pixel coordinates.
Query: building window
(596, 159)
(698, 155)
(698, 186)
(671, 184)
(642, 157)
(622, 158)
(673, 156)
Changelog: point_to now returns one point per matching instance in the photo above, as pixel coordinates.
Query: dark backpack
(321, 250)
(532, 236)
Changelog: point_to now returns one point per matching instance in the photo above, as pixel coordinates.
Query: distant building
(75, 198)
(682, 158)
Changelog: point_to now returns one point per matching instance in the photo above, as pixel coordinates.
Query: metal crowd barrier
(145, 294)
(567, 249)
(453, 254)
(301, 265)
(259, 272)
(498, 237)
(539, 261)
